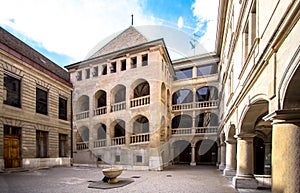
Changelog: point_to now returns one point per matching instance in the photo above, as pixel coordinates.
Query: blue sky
(65, 31)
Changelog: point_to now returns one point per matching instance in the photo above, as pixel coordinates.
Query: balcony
(140, 138)
(118, 106)
(82, 145)
(100, 111)
(195, 131)
(118, 141)
(82, 115)
(100, 143)
(195, 105)
(141, 101)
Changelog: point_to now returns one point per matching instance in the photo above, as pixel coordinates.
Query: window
(139, 159)
(79, 75)
(95, 72)
(145, 60)
(104, 69)
(133, 62)
(123, 65)
(63, 145)
(41, 144)
(12, 91)
(183, 73)
(113, 67)
(62, 108)
(41, 101)
(87, 73)
(118, 158)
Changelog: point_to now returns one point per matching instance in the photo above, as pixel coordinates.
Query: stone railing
(100, 143)
(195, 105)
(82, 115)
(118, 106)
(195, 131)
(82, 145)
(100, 111)
(140, 138)
(145, 100)
(118, 141)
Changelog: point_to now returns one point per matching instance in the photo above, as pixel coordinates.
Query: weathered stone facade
(20, 69)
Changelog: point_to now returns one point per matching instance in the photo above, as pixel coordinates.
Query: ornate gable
(128, 38)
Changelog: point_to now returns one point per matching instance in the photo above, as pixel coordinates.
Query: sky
(66, 30)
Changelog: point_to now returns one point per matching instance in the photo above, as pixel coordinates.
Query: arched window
(182, 121)
(141, 125)
(83, 103)
(143, 89)
(207, 93)
(119, 129)
(84, 133)
(100, 97)
(101, 131)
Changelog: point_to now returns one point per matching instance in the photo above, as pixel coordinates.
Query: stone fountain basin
(112, 174)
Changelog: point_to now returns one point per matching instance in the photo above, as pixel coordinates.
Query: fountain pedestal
(112, 174)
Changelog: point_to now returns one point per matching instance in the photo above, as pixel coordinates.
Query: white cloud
(180, 22)
(206, 11)
(71, 27)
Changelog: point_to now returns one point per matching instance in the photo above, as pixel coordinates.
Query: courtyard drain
(135, 176)
(169, 175)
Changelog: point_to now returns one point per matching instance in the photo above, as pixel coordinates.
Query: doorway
(12, 146)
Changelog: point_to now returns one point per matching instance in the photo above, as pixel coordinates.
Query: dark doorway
(206, 152)
(259, 155)
(182, 152)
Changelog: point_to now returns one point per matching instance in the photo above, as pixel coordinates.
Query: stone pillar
(193, 162)
(267, 169)
(223, 156)
(244, 173)
(285, 150)
(219, 155)
(230, 169)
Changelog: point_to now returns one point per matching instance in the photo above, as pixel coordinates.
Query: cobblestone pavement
(179, 179)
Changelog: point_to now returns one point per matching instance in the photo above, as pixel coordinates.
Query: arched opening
(142, 89)
(206, 119)
(101, 131)
(83, 103)
(119, 129)
(100, 98)
(182, 96)
(206, 152)
(259, 155)
(141, 125)
(182, 152)
(83, 134)
(207, 93)
(119, 94)
(182, 121)
(163, 92)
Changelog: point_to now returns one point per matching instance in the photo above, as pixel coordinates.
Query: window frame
(65, 117)
(41, 102)
(19, 88)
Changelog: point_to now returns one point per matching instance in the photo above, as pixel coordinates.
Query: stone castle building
(35, 108)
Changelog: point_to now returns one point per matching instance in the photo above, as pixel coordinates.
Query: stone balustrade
(141, 101)
(100, 111)
(100, 143)
(140, 138)
(82, 115)
(82, 145)
(195, 105)
(118, 141)
(118, 106)
(195, 130)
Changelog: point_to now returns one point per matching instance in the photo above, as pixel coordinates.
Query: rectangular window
(79, 75)
(123, 65)
(113, 67)
(12, 91)
(62, 108)
(118, 158)
(95, 72)
(41, 101)
(63, 145)
(139, 158)
(104, 69)
(41, 144)
(183, 73)
(87, 73)
(145, 60)
(133, 62)
(207, 70)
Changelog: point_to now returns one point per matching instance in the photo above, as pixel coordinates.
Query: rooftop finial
(131, 19)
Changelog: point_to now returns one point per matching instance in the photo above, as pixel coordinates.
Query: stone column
(193, 162)
(285, 150)
(223, 156)
(230, 169)
(267, 169)
(219, 155)
(244, 173)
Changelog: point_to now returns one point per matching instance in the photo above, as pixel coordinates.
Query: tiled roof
(20, 47)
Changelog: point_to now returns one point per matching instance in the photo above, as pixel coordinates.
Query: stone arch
(83, 103)
(206, 93)
(182, 96)
(163, 92)
(118, 128)
(231, 132)
(291, 99)
(100, 99)
(101, 131)
(206, 152)
(206, 119)
(118, 94)
(181, 152)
